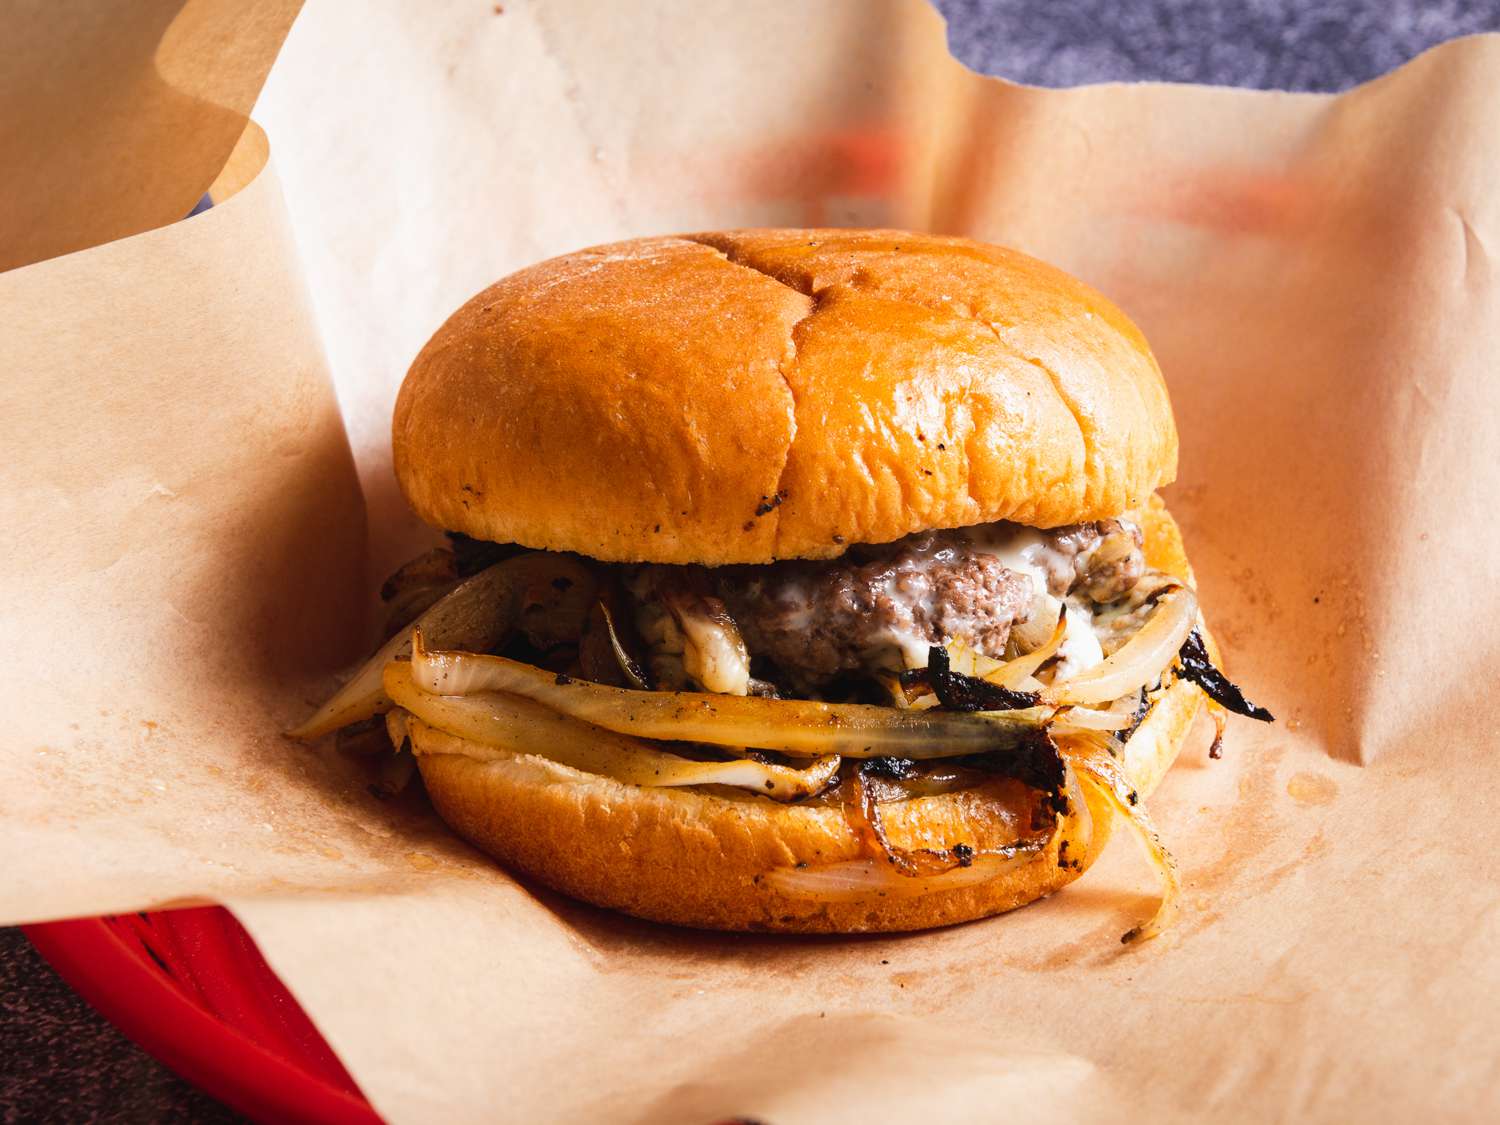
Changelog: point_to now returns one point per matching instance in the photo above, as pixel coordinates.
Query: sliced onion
(1010, 673)
(1014, 674)
(477, 614)
(1140, 661)
(1097, 761)
(861, 878)
(634, 674)
(861, 809)
(1037, 629)
(511, 725)
(1089, 718)
(395, 728)
(792, 726)
(1221, 720)
(970, 662)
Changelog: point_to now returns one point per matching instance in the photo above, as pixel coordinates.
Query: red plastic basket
(192, 989)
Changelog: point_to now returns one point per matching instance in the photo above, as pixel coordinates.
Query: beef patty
(881, 606)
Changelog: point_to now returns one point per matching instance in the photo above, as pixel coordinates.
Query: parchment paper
(186, 563)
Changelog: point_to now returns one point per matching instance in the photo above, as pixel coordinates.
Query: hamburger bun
(696, 858)
(745, 396)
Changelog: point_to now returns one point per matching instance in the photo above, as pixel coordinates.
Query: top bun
(744, 396)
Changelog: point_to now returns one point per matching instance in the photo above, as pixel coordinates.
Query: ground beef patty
(1101, 560)
(823, 618)
(820, 619)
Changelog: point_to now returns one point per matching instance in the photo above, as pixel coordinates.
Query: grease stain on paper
(1311, 788)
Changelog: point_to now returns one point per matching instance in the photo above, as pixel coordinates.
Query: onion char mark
(958, 692)
(1197, 667)
(896, 769)
(862, 813)
(1143, 708)
(1035, 762)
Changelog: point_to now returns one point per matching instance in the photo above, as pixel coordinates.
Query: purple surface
(59, 1061)
(1266, 44)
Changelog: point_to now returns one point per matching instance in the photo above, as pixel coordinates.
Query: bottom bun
(717, 859)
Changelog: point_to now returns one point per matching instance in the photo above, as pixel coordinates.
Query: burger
(795, 580)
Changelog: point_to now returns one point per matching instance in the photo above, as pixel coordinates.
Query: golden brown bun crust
(696, 859)
(651, 400)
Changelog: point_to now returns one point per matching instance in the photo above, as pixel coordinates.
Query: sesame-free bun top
(743, 396)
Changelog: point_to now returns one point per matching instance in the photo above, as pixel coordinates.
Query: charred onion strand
(1197, 667)
(802, 728)
(1140, 661)
(958, 692)
(1100, 769)
(477, 614)
(519, 726)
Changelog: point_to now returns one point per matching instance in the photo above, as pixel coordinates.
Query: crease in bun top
(807, 580)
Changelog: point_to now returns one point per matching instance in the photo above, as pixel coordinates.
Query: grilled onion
(477, 614)
(1015, 673)
(861, 807)
(1041, 619)
(630, 668)
(1096, 758)
(802, 728)
(859, 878)
(394, 771)
(1140, 661)
(513, 725)
(1113, 718)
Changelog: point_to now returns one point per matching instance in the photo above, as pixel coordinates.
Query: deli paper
(198, 497)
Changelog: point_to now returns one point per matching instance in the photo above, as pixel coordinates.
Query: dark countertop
(59, 1061)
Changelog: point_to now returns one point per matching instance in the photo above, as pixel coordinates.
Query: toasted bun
(698, 859)
(753, 395)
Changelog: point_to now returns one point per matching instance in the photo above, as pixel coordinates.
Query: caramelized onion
(391, 770)
(1014, 673)
(965, 661)
(802, 728)
(861, 808)
(477, 614)
(865, 788)
(1196, 666)
(1039, 625)
(1221, 720)
(519, 726)
(630, 668)
(1096, 758)
(395, 728)
(885, 873)
(1140, 661)
(860, 878)
(1090, 718)
(926, 779)
(958, 692)
(416, 586)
